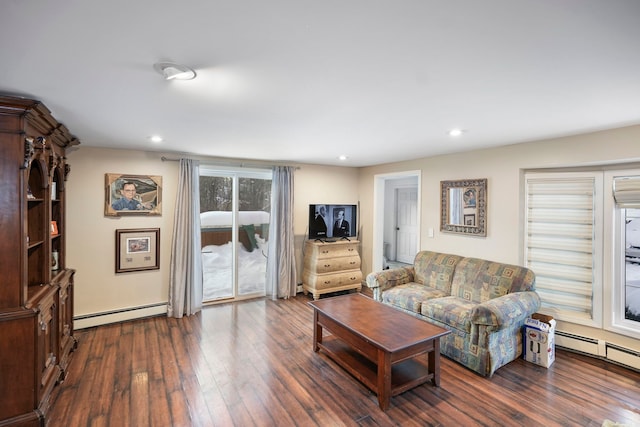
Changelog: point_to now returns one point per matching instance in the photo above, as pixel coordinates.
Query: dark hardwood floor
(251, 364)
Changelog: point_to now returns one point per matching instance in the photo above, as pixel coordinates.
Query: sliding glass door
(235, 208)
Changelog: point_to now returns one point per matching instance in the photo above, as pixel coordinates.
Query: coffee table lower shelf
(405, 375)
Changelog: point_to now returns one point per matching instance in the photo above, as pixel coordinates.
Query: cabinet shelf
(35, 244)
(36, 293)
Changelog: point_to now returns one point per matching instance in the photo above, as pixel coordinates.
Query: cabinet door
(67, 341)
(17, 348)
(48, 342)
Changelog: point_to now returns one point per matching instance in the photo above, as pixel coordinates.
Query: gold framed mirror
(463, 206)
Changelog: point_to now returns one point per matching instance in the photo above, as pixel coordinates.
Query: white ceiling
(306, 81)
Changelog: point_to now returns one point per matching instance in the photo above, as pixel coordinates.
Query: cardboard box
(539, 340)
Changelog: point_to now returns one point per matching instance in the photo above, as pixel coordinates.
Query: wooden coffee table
(377, 344)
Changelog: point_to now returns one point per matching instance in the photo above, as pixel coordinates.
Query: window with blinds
(563, 240)
(625, 302)
(626, 191)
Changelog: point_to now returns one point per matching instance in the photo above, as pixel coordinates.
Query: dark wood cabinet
(36, 287)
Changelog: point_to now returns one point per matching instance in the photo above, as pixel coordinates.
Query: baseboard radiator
(599, 348)
(114, 316)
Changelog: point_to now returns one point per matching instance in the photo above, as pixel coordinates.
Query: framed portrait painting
(137, 249)
(132, 194)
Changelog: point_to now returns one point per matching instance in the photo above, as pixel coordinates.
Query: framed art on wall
(132, 194)
(463, 207)
(137, 249)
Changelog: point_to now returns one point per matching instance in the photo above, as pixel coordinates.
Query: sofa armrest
(385, 279)
(505, 310)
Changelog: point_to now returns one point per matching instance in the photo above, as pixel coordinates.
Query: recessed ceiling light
(173, 71)
(155, 138)
(456, 132)
(342, 157)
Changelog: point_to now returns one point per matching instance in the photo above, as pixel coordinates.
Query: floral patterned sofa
(483, 303)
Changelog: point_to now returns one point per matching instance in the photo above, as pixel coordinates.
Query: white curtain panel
(185, 284)
(281, 263)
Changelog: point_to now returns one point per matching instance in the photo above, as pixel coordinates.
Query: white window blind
(561, 242)
(626, 191)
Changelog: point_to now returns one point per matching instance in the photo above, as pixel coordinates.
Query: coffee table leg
(317, 331)
(384, 379)
(434, 362)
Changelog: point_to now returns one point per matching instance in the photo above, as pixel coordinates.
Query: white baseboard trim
(578, 343)
(600, 349)
(97, 319)
(623, 356)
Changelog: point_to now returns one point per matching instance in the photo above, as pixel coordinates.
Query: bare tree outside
(216, 194)
(256, 194)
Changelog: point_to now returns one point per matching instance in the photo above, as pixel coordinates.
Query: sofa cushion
(435, 270)
(410, 296)
(479, 280)
(452, 311)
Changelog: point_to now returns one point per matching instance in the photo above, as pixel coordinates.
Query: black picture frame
(137, 249)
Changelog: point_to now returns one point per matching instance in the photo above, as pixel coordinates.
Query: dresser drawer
(330, 265)
(330, 250)
(331, 280)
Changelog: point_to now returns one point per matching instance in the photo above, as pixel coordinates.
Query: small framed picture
(137, 249)
(470, 220)
(54, 228)
(132, 194)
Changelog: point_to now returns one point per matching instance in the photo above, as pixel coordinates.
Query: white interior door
(407, 224)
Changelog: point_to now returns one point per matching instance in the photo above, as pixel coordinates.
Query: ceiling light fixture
(342, 157)
(173, 71)
(456, 132)
(155, 138)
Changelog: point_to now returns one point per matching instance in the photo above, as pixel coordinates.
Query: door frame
(235, 174)
(379, 187)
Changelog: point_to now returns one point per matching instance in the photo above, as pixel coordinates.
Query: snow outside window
(623, 307)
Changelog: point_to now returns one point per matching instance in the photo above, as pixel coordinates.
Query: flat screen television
(333, 222)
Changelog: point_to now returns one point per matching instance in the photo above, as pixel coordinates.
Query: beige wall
(320, 184)
(91, 234)
(91, 238)
(503, 167)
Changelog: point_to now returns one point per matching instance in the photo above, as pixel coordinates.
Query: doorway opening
(396, 219)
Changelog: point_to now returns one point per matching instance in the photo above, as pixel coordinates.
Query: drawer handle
(325, 252)
(327, 282)
(327, 265)
(352, 262)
